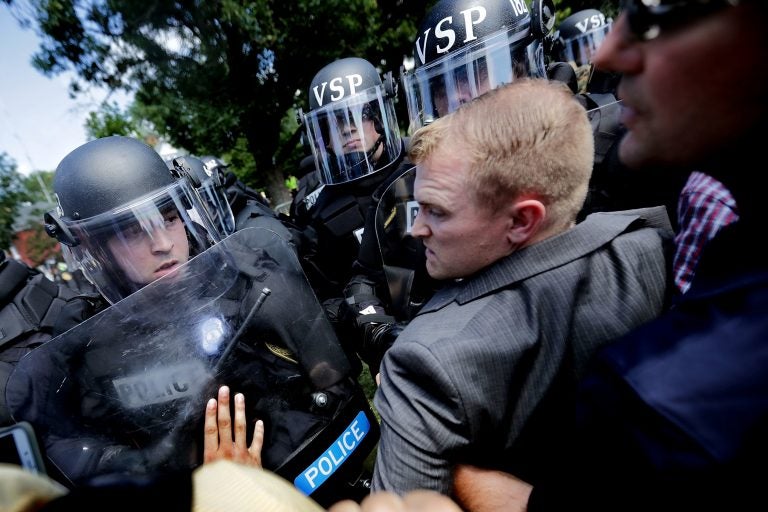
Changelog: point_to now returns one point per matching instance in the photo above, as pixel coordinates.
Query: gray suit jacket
(465, 377)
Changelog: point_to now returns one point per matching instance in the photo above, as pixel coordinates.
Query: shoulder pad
(13, 275)
(35, 307)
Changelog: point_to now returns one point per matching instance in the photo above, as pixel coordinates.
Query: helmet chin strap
(375, 147)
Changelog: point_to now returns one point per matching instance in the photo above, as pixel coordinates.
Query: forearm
(489, 490)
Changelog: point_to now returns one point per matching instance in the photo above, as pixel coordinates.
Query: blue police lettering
(329, 459)
(324, 466)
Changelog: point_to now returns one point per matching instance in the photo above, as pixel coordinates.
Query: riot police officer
(237, 191)
(467, 47)
(209, 183)
(125, 391)
(353, 132)
(576, 40)
(233, 205)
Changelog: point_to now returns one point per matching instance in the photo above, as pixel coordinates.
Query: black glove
(563, 72)
(369, 322)
(377, 339)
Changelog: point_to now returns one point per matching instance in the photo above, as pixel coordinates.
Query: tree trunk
(277, 192)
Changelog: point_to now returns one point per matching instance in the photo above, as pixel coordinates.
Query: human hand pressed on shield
(218, 442)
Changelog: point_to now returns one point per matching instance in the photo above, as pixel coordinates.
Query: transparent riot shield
(125, 391)
(403, 258)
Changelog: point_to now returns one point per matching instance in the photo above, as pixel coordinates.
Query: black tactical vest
(33, 309)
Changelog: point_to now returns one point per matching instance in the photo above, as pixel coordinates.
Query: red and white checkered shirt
(705, 207)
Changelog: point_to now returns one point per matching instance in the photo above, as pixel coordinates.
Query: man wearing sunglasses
(673, 416)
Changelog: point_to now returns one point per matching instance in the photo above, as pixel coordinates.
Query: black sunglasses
(647, 18)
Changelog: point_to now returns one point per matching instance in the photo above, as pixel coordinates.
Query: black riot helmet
(118, 202)
(467, 47)
(576, 41)
(579, 35)
(351, 126)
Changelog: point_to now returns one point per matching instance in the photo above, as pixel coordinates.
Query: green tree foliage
(608, 7)
(565, 8)
(110, 120)
(12, 193)
(38, 187)
(222, 76)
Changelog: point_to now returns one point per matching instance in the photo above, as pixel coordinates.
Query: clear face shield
(440, 87)
(580, 50)
(125, 249)
(213, 196)
(355, 137)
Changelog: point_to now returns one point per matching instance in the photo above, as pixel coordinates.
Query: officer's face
(460, 236)
(358, 133)
(452, 90)
(148, 254)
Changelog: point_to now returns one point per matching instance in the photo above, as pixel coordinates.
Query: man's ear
(527, 218)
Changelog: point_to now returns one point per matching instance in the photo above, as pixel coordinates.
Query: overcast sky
(39, 123)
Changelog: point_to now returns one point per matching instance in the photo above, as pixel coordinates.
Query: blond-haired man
(485, 371)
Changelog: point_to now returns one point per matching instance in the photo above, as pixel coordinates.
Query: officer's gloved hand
(376, 341)
(563, 72)
(374, 329)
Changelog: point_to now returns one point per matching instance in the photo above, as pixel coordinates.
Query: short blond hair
(530, 137)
